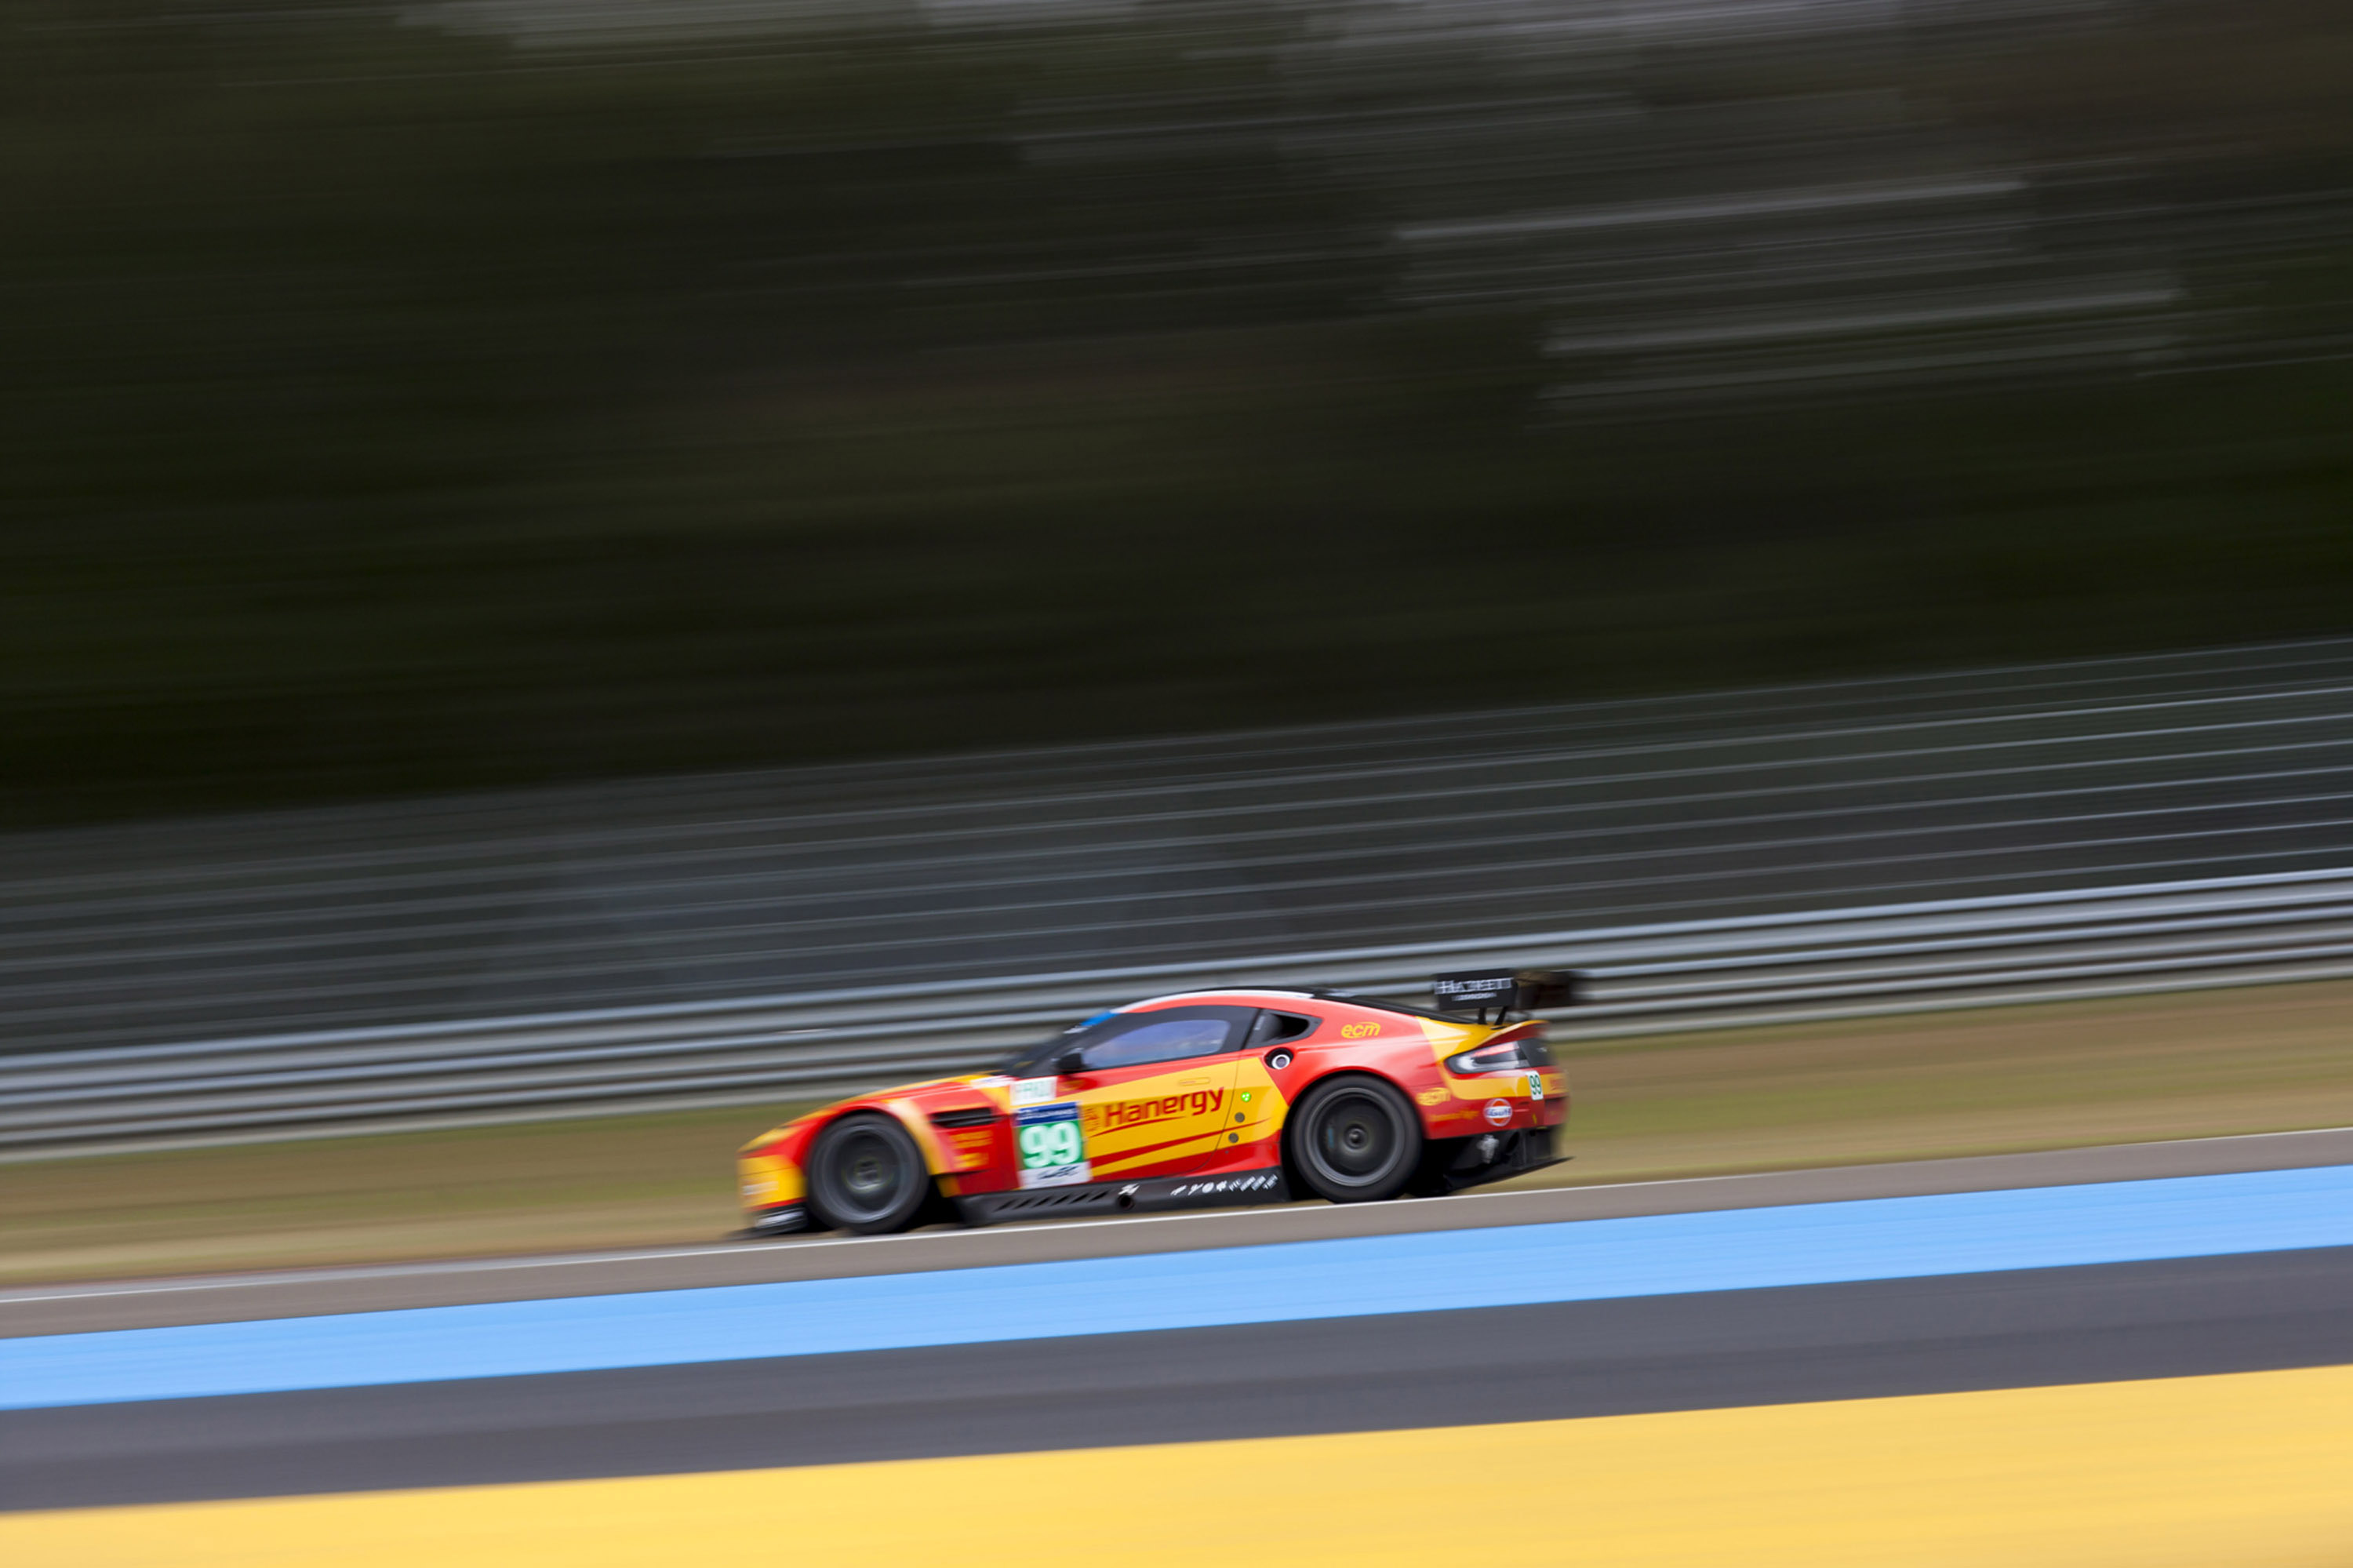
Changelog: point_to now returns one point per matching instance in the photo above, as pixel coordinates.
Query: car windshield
(1031, 1060)
(1133, 1039)
(1172, 1040)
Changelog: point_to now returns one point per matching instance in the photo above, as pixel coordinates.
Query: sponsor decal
(1053, 1150)
(1077, 1175)
(973, 1145)
(992, 1081)
(1431, 1097)
(1359, 1031)
(1120, 1115)
(1498, 1112)
(1475, 987)
(1258, 1181)
(1032, 1091)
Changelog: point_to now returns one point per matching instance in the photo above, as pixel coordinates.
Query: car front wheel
(1355, 1140)
(865, 1176)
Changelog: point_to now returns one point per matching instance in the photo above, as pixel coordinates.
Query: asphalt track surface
(2240, 1313)
(1879, 1338)
(133, 1304)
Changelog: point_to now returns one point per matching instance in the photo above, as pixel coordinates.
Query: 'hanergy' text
(1124, 1114)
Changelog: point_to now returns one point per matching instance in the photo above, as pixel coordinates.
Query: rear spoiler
(1506, 990)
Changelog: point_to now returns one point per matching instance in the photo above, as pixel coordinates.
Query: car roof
(1295, 995)
(1223, 993)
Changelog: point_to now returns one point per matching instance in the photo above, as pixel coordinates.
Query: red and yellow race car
(1195, 1100)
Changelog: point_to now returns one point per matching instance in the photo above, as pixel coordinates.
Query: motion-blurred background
(509, 507)
(410, 398)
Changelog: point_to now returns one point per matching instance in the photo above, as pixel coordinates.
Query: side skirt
(1155, 1194)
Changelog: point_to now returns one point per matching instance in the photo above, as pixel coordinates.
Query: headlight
(1501, 1057)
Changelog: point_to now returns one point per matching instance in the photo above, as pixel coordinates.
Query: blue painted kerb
(1813, 1244)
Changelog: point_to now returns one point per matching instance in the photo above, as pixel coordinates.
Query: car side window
(1274, 1028)
(1161, 1040)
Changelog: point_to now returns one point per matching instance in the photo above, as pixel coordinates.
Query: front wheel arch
(843, 1194)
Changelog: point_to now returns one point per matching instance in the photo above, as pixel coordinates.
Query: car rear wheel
(1355, 1140)
(865, 1176)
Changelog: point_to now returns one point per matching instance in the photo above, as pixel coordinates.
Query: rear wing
(1506, 990)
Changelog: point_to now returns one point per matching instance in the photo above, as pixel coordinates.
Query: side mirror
(1070, 1061)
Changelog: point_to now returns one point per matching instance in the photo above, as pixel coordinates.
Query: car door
(1151, 1096)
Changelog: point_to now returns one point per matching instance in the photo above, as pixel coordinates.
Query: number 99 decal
(1049, 1143)
(1052, 1148)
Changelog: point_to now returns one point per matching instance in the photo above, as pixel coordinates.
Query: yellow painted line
(2247, 1471)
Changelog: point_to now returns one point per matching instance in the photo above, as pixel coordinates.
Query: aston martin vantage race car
(1196, 1100)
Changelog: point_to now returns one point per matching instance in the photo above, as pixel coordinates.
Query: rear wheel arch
(1322, 1153)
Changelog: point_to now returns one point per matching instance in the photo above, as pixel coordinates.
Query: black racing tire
(865, 1176)
(1355, 1140)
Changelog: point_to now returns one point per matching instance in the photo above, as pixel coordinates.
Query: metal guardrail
(1655, 978)
(1201, 850)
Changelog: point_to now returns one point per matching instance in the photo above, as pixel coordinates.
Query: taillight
(1525, 1052)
